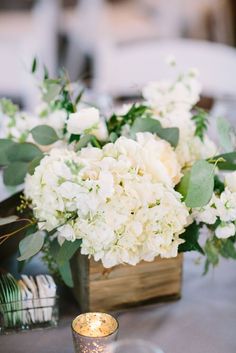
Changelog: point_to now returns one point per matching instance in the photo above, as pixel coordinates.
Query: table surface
(203, 321)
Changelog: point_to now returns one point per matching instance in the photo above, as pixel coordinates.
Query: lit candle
(92, 332)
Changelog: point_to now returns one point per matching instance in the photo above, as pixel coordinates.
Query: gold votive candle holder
(93, 332)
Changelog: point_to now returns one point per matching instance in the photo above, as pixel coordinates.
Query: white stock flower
(100, 132)
(171, 102)
(83, 120)
(225, 230)
(230, 181)
(167, 96)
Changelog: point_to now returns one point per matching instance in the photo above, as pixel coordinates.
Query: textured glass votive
(92, 332)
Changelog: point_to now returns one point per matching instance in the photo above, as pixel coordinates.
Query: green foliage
(227, 248)
(5, 145)
(51, 90)
(183, 185)
(211, 252)
(225, 134)
(113, 137)
(44, 135)
(8, 107)
(46, 73)
(17, 158)
(31, 245)
(191, 236)
(34, 163)
(154, 126)
(197, 186)
(226, 161)
(30, 230)
(116, 122)
(201, 123)
(78, 98)
(67, 250)
(214, 248)
(85, 140)
(23, 152)
(34, 65)
(65, 272)
(14, 174)
(171, 135)
(218, 185)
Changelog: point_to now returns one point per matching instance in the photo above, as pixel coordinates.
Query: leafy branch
(201, 120)
(116, 122)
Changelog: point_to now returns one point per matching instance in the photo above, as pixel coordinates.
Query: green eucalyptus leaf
(191, 236)
(34, 163)
(23, 152)
(44, 135)
(145, 125)
(65, 272)
(113, 137)
(201, 184)
(67, 250)
(5, 145)
(31, 245)
(14, 174)
(182, 187)
(224, 131)
(171, 135)
(229, 162)
(85, 140)
(52, 90)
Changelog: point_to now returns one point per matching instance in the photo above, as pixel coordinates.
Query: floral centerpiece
(140, 184)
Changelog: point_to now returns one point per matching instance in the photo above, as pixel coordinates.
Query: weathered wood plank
(124, 286)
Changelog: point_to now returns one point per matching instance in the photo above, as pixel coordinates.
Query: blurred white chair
(22, 37)
(124, 69)
(83, 34)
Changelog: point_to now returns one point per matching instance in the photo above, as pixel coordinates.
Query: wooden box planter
(124, 286)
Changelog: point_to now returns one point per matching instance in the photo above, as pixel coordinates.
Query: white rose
(84, 119)
(100, 132)
(225, 230)
(230, 181)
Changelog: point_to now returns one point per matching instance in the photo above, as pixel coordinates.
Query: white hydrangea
(123, 209)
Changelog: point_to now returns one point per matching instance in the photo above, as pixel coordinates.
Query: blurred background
(113, 47)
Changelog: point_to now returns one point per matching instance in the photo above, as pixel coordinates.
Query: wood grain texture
(124, 286)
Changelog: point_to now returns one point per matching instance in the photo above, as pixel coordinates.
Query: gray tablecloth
(203, 321)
